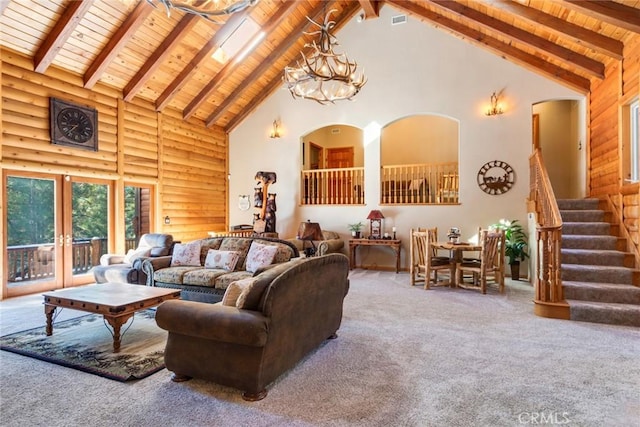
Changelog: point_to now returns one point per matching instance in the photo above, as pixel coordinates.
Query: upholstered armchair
(128, 268)
(331, 242)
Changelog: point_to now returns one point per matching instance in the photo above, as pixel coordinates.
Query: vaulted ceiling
(166, 60)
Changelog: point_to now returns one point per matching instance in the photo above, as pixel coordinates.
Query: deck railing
(36, 262)
(419, 183)
(549, 297)
(341, 186)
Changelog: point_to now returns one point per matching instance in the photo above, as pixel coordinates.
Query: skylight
(245, 32)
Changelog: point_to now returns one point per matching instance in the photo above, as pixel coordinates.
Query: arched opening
(332, 166)
(419, 160)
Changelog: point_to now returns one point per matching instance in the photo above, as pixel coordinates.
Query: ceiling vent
(335, 131)
(398, 19)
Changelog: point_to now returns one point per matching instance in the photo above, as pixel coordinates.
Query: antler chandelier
(324, 76)
(207, 9)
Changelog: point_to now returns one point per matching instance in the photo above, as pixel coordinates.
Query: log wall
(185, 161)
(620, 86)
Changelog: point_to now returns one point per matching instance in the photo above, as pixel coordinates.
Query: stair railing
(549, 297)
(627, 216)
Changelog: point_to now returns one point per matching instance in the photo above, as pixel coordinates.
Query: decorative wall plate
(496, 177)
(243, 202)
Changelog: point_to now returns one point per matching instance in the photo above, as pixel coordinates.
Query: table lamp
(308, 232)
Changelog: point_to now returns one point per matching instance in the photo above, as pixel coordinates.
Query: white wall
(561, 146)
(412, 69)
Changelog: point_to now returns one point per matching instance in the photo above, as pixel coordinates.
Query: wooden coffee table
(117, 302)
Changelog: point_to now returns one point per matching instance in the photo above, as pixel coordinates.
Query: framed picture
(73, 125)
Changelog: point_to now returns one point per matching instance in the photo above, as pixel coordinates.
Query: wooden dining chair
(491, 264)
(424, 258)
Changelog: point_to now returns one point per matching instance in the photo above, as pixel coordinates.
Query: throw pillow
(134, 254)
(260, 256)
(235, 289)
(226, 260)
(186, 254)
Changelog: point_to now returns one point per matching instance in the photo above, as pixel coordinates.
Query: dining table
(456, 251)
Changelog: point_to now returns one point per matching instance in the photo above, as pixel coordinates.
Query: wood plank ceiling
(138, 49)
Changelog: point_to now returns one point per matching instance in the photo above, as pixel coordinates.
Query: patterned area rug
(85, 343)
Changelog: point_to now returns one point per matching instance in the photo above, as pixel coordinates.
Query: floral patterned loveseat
(204, 268)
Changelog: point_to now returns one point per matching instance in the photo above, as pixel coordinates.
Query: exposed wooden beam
(181, 30)
(584, 63)
(116, 42)
(613, 13)
(59, 34)
(276, 82)
(280, 50)
(507, 51)
(371, 8)
(232, 64)
(220, 36)
(577, 34)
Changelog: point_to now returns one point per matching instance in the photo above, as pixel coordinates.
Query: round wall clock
(73, 125)
(496, 177)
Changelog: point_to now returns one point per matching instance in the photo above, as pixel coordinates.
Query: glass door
(86, 227)
(57, 229)
(33, 250)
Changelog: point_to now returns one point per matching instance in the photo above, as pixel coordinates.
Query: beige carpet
(403, 357)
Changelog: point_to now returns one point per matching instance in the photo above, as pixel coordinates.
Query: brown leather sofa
(300, 307)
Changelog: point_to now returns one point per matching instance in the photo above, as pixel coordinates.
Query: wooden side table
(354, 244)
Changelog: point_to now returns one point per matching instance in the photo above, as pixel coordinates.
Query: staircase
(599, 281)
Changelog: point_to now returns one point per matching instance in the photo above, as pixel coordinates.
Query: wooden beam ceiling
(232, 63)
(166, 59)
(584, 63)
(221, 35)
(60, 33)
(579, 35)
(180, 31)
(294, 35)
(276, 82)
(371, 8)
(614, 13)
(529, 61)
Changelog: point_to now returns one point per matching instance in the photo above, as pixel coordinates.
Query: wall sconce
(495, 108)
(167, 220)
(275, 133)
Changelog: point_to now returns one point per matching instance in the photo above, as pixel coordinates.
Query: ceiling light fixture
(207, 9)
(324, 76)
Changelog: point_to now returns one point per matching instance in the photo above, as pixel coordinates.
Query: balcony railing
(419, 183)
(27, 263)
(343, 186)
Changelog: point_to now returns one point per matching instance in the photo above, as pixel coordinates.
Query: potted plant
(515, 244)
(355, 229)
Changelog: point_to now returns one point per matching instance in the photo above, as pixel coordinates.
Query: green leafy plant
(356, 227)
(515, 240)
